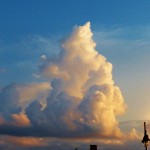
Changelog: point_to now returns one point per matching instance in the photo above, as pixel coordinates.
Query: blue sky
(34, 28)
(20, 18)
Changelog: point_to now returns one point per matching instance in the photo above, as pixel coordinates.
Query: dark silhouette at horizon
(145, 139)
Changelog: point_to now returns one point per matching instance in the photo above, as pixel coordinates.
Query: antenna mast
(145, 139)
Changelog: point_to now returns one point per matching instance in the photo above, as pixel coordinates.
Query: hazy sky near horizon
(31, 35)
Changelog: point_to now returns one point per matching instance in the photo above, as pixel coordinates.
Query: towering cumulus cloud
(83, 101)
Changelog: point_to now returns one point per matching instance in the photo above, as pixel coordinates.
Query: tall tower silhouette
(145, 139)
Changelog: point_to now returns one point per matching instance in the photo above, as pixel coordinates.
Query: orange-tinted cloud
(24, 141)
(20, 120)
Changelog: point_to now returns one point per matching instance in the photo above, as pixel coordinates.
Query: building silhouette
(93, 147)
